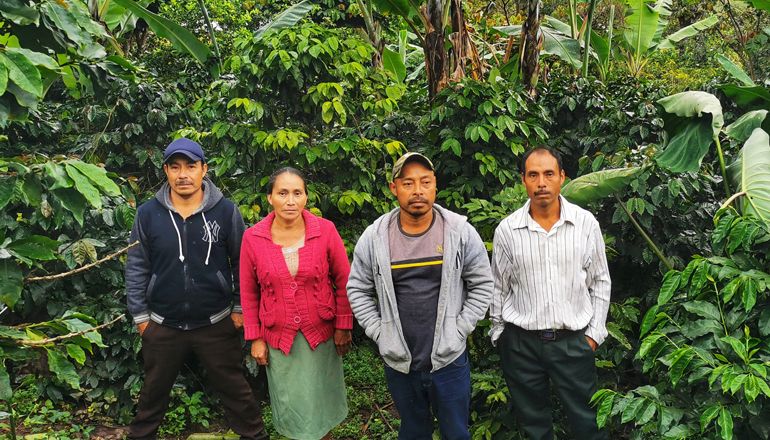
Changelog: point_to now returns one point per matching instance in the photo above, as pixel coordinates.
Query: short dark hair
(541, 149)
(279, 171)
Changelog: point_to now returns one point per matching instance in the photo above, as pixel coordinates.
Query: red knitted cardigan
(277, 305)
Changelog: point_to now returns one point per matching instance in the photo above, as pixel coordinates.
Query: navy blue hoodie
(184, 273)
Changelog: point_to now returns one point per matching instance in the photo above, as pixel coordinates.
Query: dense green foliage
(90, 93)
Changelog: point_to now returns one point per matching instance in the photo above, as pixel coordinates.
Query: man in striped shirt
(550, 302)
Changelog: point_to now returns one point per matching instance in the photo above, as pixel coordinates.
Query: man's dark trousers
(532, 364)
(218, 349)
(447, 391)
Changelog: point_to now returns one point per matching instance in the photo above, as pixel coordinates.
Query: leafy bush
(701, 348)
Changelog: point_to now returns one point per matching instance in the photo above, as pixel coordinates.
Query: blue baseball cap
(185, 146)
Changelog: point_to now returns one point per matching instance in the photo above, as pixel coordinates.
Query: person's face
(543, 179)
(415, 189)
(288, 197)
(185, 176)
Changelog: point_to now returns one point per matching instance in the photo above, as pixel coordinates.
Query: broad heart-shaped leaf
(23, 73)
(598, 185)
(735, 71)
(688, 31)
(84, 186)
(35, 247)
(287, 18)
(11, 282)
(392, 62)
(554, 42)
(746, 96)
(182, 39)
(19, 12)
(741, 129)
(691, 121)
(751, 174)
(641, 26)
(62, 368)
(97, 175)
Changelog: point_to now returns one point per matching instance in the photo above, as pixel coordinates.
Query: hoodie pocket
(452, 338)
(150, 287)
(389, 342)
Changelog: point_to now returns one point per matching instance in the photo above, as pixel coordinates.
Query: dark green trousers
(532, 365)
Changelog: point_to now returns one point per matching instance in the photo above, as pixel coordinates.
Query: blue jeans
(446, 391)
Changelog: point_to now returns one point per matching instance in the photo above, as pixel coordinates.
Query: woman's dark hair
(540, 149)
(279, 171)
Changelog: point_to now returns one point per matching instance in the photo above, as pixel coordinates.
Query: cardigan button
(297, 319)
(293, 285)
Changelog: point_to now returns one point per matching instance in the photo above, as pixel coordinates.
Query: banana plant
(750, 173)
(644, 31)
(443, 33)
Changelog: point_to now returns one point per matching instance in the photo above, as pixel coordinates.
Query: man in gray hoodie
(419, 282)
(182, 291)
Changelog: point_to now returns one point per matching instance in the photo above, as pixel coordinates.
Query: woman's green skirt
(307, 389)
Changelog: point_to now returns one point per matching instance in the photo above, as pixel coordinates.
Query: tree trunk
(436, 66)
(442, 66)
(531, 43)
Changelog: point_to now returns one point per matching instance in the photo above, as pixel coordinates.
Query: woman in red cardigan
(293, 271)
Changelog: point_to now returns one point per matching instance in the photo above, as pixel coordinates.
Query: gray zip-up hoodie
(466, 291)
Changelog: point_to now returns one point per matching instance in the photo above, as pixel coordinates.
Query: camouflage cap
(410, 157)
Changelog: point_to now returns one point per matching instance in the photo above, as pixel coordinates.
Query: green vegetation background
(91, 92)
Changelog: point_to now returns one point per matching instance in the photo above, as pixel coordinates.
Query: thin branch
(82, 268)
(384, 416)
(41, 342)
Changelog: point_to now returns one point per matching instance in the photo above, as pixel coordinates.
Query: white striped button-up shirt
(550, 280)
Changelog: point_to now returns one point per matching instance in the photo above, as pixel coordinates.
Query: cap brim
(415, 158)
(191, 156)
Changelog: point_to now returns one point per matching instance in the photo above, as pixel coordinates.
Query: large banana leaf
(554, 41)
(641, 26)
(691, 122)
(735, 71)
(598, 185)
(746, 96)
(751, 173)
(741, 129)
(182, 39)
(688, 31)
(287, 18)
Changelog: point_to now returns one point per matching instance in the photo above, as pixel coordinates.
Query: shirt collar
(566, 214)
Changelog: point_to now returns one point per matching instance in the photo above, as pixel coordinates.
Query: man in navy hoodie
(182, 291)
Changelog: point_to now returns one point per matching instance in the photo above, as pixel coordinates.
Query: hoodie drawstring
(178, 236)
(211, 238)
